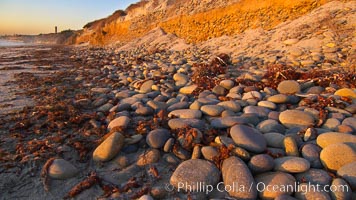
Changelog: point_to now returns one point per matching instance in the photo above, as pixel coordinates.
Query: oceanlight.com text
(260, 187)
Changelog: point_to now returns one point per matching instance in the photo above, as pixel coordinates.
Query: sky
(41, 16)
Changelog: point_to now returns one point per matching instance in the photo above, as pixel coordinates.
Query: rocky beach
(263, 114)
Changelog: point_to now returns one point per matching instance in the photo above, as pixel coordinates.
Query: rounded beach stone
(171, 159)
(212, 110)
(122, 121)
(273, 115)
(329, 138)
(230, 105)
(209, 152)
(194, 171)
(296, 118)
(109, 148)
(334, 156)
(344, 129)
(341, 191)
(105, 108)
(182, 123)
(311, 152)
(144, 111)
(348, 173)
(241, 153)
(227, 84)
(227, 113)
(168, 145)
(291, 164)
(315, 90)
(259, 111)
(234, 170)
(234, 95)
(225, 122)
(278, 98)
(148, 157)
(261, 163)
(350, 121)
(156, 105)
(270, 125)
(196, 105)
(351, 108)
(157, 138)
(208, 100)
(181, 79)
(62, 169)
(99, 101)
(252, 102)
(346, 92)
(120, 107)
(146, 87)
(274, 139)
(331, 124)
(188, 89)
(252, 95)
(314, 176)
(133, 139)
(196, 152)
(186, 113)
(288, 87)
(224, 140)
(267, 104)
(218, 90)
(290, 146)
(248, 138)
(310, 134)
(274, 179)
(178, 105)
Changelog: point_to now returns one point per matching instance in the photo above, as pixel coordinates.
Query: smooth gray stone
(248, 138)
(234, 170)
(182, 123)
(193, 171)
(225, 122)
(157, 138)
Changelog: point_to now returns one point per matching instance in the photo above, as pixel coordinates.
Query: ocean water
(10, 43)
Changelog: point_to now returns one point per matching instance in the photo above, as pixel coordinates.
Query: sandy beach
(74, 98)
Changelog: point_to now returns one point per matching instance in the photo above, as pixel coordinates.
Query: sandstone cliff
(193, 20)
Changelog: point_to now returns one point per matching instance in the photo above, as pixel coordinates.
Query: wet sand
(22, 59)
(18, 180)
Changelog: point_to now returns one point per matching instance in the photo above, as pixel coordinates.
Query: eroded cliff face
(193, 20)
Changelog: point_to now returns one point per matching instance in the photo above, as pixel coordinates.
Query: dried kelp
(91, 180)
(206, 75)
